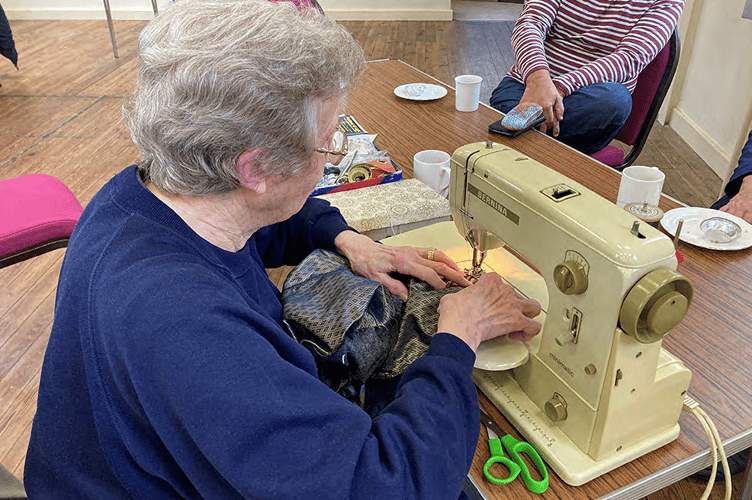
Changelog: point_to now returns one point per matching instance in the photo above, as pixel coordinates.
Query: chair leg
(112, 29)
(154, 6)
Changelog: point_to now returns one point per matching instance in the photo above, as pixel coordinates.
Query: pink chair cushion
(642, 97)
(33, 209)
(610, 155)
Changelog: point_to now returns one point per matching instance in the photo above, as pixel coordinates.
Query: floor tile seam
(51, 132)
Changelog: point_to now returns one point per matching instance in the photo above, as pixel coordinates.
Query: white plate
(691, 232)
(420, 91)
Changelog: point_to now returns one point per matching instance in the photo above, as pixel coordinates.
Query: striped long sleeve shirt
(581, 42)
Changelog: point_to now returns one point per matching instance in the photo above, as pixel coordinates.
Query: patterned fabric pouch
(522, 115)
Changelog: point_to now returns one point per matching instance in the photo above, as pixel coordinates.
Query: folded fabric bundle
(356, 329)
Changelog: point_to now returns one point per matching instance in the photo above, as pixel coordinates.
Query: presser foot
(472, 274)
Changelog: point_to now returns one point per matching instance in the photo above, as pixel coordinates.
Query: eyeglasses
(337, 148)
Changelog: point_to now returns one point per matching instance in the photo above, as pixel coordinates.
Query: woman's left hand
(375, 261)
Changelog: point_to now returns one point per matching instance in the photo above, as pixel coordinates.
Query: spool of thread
(649, 214)
(359, 172)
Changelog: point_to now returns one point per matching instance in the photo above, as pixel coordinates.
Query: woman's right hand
(490, 308)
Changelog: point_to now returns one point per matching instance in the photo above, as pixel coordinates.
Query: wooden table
(714, 340)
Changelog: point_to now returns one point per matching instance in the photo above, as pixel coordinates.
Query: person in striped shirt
(579, 59)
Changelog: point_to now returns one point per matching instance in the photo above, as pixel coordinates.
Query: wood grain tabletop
(714, 340)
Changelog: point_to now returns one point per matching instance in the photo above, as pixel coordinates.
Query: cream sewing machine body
(599, 391)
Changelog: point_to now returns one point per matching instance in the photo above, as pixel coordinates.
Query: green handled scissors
(515, 464)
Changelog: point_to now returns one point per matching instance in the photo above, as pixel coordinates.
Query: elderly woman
(168, 372)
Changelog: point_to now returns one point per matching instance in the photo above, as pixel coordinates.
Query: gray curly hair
(220, 77)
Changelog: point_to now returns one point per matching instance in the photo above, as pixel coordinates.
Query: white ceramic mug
(432, 167)
(640, 185)
(467, 93)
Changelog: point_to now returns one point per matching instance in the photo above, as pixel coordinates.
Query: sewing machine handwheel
(655, 305)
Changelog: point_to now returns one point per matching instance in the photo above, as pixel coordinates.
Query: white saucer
(692, 234)
(420, 91)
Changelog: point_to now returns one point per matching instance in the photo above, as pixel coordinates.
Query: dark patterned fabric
(357, 331)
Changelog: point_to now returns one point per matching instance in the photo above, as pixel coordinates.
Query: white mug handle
(444, 177)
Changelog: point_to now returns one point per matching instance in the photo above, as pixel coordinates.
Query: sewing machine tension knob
(555, 409)
(570, 277)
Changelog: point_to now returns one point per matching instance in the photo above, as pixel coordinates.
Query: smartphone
(497, 128)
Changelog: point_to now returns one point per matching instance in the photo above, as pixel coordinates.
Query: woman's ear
(248, 168)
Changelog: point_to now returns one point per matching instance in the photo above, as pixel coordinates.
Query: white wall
(392, 10)
(712, 95)
(388, 10)
(79, 9)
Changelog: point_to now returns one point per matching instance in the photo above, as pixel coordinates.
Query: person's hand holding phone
(521, 118)
(540, 89)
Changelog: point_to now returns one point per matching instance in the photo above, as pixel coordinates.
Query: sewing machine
(597, 389)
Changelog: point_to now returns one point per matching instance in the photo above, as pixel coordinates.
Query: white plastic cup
(432, 167)
(467, 93)
(640, 185)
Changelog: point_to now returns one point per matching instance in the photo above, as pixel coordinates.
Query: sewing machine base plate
(572, 465)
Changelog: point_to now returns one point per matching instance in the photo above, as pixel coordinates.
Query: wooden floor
(60, 115)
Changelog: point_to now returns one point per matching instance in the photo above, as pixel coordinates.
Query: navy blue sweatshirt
(168, 375)
(742, 170)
